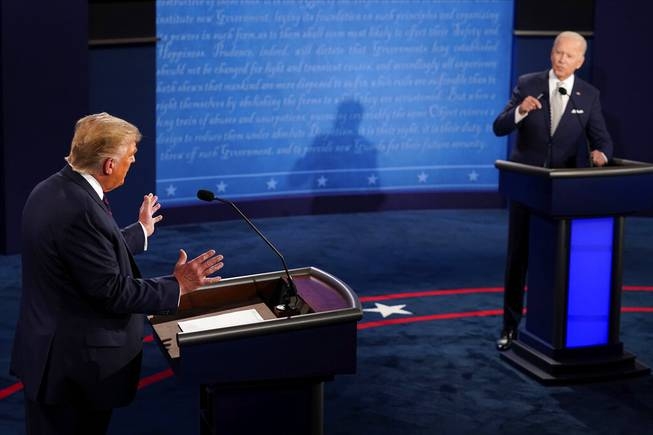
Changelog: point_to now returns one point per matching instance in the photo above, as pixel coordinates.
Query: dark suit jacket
(77, 337)
(582, 121)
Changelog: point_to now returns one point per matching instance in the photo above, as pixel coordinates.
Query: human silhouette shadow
(341, 162)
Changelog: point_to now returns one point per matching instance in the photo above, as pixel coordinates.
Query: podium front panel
(590, 277)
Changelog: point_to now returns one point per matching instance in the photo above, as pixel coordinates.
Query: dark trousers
(516, 265)
(65, 419)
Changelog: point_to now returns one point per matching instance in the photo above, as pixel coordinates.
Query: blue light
(316, 98)
(590, 272)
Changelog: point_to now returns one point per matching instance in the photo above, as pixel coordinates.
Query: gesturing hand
(529, 104)
(146, 212)
(194, 273)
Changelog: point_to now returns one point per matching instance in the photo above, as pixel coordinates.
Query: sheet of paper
(235, 318)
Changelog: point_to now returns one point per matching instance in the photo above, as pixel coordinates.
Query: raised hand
(195, 273)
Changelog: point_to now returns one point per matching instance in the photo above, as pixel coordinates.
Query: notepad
(235, 318)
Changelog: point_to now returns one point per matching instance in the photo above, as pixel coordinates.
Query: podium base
(290, 407)
(551, 371)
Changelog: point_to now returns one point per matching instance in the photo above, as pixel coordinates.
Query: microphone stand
(288, 298)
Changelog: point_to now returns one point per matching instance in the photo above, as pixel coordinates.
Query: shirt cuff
(518, 116)
(145, 234)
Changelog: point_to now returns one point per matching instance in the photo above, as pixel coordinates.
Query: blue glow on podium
(590, 266)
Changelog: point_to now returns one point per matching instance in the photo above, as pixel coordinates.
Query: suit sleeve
(597, 131)
(99, 262)
(505, 124)
(135, 237)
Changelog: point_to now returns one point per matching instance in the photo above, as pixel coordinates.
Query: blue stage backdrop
(261, 99)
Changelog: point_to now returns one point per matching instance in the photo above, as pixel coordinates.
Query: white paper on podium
(234, 318)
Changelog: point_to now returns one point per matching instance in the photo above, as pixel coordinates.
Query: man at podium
(78, 343)
(559, 124)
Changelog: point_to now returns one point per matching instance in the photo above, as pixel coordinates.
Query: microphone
(564, 92)
(288, 300)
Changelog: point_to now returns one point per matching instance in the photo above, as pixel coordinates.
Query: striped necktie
(557, 107)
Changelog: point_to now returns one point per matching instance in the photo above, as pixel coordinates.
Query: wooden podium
(264, 377)
(571, 332)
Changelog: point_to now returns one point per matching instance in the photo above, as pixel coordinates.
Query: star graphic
(272, 184)
(171, 190)
(322, 181)
(473, 176)
(387, 310)
(372, 179)
(222, 186)
(422, 177)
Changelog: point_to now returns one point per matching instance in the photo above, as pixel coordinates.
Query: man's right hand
(195, 273)
(529, 104)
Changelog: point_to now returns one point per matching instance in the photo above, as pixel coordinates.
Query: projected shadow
(340, 163)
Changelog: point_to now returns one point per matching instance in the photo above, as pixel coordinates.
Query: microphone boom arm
(265, 239)
(288, 294)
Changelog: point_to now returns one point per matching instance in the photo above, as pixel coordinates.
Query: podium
(574, 282)
(265, 376)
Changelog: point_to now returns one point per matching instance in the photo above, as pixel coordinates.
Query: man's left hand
(598, 158)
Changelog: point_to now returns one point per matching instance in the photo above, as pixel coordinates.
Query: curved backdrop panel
(265, 99)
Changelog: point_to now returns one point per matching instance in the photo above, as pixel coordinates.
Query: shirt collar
(95, 184)
(568, 83)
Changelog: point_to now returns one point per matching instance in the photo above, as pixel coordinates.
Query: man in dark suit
(78, 341)
(559, 124)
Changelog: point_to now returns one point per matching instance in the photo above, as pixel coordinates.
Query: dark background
(60, 63)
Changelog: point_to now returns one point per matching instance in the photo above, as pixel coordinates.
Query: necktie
(557, 107)
(105, 200)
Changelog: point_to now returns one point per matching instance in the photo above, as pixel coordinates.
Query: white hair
(572, 35)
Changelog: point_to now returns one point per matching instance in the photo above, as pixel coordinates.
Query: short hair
(572, 35)
(98, 137)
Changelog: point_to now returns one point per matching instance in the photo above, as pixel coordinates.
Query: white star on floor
(272, 184)
(387, 310)
(473, 176)
(222, 186)
(171, 190)
(322, 181)
(372, 179)
(421, 178)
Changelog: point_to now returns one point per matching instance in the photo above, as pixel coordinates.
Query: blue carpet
(430, 375)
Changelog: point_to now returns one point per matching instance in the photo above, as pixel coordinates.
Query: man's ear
(107, 166)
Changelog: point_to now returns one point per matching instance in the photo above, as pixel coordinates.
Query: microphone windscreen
(562, 91)
(205, 195)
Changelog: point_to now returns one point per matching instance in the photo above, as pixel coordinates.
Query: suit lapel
(572, 109)
(543, 84)
(68, 172)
